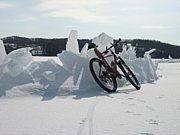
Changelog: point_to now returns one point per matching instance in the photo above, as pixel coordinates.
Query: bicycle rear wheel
(102, 77)
(130, 76)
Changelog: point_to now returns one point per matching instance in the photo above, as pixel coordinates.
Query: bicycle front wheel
(130, 76)
(104, 79)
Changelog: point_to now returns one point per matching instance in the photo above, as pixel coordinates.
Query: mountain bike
(105, 72)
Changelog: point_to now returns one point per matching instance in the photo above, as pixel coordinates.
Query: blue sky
(146, 19)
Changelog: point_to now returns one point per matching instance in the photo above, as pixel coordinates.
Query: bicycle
(105, 74)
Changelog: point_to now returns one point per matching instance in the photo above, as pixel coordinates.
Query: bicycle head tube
(98, 53)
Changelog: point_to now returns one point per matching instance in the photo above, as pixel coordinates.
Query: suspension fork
(105, 66)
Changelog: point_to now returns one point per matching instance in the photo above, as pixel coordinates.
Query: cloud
(155, 27)
(4, 4)
(25, 19)
(81, 10)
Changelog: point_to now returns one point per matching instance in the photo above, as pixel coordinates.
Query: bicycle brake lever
(106, 52)
(115, 44)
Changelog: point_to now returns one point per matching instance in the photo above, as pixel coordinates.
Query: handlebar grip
(115, 44)
(118, 41)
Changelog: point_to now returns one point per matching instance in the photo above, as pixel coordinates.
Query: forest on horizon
(51, 47)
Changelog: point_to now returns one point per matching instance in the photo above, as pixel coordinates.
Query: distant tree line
(48, 47)
(51, 47)
(163, 50)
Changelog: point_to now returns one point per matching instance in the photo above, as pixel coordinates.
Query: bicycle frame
(103, 58)
(110, 68)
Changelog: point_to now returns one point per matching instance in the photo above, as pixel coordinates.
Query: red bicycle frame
(110, 68)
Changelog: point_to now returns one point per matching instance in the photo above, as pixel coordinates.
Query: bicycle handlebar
(112, 45)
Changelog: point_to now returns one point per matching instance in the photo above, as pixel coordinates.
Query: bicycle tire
(97, 77)
(130, 76)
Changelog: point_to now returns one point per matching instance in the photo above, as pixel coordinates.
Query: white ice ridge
(20, 68)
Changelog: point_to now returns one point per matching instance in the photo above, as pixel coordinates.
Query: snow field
(155, 109)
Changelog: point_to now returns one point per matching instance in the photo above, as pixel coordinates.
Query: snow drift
(19, 68)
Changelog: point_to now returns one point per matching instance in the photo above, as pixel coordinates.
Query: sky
(126, 19)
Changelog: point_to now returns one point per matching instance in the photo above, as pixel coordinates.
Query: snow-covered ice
(153, 110)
